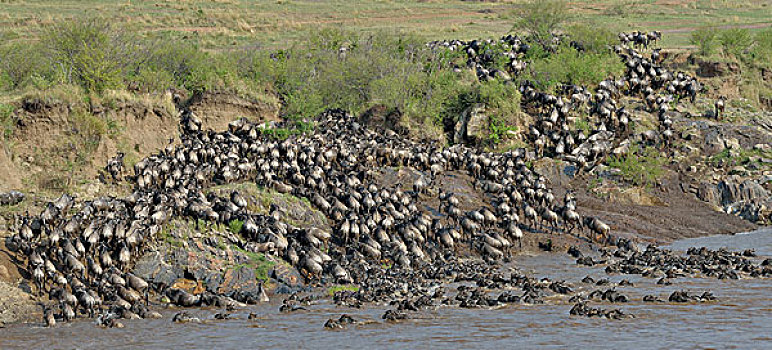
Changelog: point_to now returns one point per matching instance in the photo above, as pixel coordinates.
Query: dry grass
(227, 24)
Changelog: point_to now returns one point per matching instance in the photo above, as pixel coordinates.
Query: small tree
(18, 62)
(541, 19)
(92, 53)
(735, 41)
(762, 51)
(705, 40)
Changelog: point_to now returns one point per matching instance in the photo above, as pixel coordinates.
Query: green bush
(18, 63)
(762, 50)
(235, 226)
(570, 66)
(540, 19)
(88, 129)
(92, 54)
(583, 124)
(297, 127)
(639, 166)
(503, 104)
(706, 40)
(152, 80)
(594, 39)
(185, 66)
(396, 71)
(735, 41)
(502, 97)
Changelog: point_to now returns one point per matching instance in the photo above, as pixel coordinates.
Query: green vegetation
(594, 39)
(7, 122)
(541, 19)
(235, 226)
(742, 156)
(752, 52)
(503, 102)
(91, 54)
(735, 44)
(258, 262)
(341, 288)
(705, 39)
(639, 166)
(570, 66)
(762, 49)
(234, 24)
(583, 124)
(735, 41)
(297, 127)
(167, 237)
(97, 56)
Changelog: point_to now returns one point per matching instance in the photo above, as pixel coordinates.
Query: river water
(742, 318)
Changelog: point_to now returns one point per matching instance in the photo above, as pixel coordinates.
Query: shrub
(235, 226)
(88, 130)
(640, 166)
(540, 19)
(735, 41)
(186, 66)
(570, 66)
(19, 62)
(705, 39)
(762, 50)
(502, 97)
(503, 102)
(297, 127)
(594, 39)
(374, 69)
(151, 80)
(92, 53)
(583, 124)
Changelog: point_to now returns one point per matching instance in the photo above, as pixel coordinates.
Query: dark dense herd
(86, 248)
(383, 240)
(555, 133)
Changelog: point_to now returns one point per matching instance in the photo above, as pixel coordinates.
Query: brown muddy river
(742, 318)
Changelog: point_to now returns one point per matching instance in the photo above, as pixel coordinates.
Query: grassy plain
(235, 24)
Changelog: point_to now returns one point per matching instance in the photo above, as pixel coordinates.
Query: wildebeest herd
(81, 253)
(554, 132)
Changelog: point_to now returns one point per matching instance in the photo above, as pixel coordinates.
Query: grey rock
(732, 143)
(714, 143)
(746, 191)
(472, 125)
(709, 193)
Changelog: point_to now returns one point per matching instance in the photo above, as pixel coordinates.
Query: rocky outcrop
(382, 118)
(748, 190)
(558, 172)
(198, 257)
(755, 211)
(472, 126)
(294, 210)
(708, 192)
(747, 199)
(714, 143)
(212, 261)
(710, 69)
